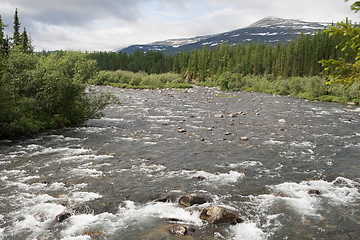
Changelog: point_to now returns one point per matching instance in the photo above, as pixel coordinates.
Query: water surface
(256, 153)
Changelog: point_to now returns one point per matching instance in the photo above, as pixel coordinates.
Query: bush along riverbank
(45, 92)
(311, 88)
(140, 80)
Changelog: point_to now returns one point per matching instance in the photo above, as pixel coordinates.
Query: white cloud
(110, 24)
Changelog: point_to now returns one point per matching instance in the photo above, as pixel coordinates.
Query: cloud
(74, 12)
(110, 24)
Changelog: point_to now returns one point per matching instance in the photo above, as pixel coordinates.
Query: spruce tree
(3, 40)
(16, 35)
(26, 42)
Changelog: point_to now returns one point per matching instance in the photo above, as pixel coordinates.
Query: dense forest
(297, 58)
(46, 90)
(41, 92)
(294, 68)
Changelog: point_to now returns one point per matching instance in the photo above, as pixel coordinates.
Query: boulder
(172, 198)
(76, 210)
(199, 178)
(314, 192)
(180, 230)
(181, 130)
(244, 139)
(192, 199)
(220, 215)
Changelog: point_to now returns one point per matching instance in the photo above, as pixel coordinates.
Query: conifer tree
(2, 37)
(26, 42)
(16, 35)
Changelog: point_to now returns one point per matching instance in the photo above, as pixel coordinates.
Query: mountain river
(289, 167)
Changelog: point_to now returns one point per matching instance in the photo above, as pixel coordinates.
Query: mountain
(268, 30)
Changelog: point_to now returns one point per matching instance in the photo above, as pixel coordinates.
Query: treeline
(151, 62)
(295, 68)
(42, 92)
(297, 58)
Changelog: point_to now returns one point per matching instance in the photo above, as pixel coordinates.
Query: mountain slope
(268, 30)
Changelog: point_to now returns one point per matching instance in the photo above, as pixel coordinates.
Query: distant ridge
(267, 30)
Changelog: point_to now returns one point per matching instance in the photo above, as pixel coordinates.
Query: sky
(106, 25)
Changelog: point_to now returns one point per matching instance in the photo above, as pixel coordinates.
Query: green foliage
(141, 80)
(151, 62)
(40, 92)
(345, 70)
(16, 35)
(313, 88)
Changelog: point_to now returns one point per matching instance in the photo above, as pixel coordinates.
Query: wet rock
(220, 215)
(62, 216)
(314, 192)
(94, 234)
(172, 198)
(178, 230)
(282, 121)
(181, 130)
(199, 178)
(76, 210)
(192, 199)
(244, 139)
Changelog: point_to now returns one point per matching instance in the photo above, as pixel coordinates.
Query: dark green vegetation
(140, 80)
(42, 92)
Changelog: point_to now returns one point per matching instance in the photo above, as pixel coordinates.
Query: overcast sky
(105, 25)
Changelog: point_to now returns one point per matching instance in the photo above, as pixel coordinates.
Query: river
(289, 166)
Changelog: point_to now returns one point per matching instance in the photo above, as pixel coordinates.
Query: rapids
(290, 167)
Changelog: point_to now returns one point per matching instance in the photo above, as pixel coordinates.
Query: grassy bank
(140, 80)
(312, 88)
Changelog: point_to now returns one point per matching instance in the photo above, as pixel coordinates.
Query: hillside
(268, 30)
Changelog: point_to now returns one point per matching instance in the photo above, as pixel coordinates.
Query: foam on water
(132, 212)
(247, 231)
(215, 178)
(299, 198)
(86, 172)
(82, 197)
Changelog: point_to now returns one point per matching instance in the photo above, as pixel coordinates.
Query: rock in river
(76, 210)
(220, 215)
(192, 199)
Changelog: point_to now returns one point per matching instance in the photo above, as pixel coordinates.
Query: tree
(16, 36)
(2, 37)
(26, 42)
(4, 42)
(345, 70)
